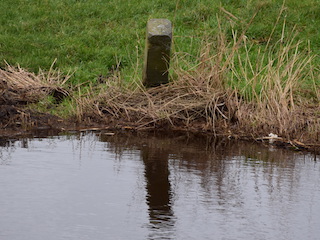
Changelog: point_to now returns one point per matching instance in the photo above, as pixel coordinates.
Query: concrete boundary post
(157, 52)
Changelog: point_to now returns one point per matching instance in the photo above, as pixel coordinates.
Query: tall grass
(266, 84)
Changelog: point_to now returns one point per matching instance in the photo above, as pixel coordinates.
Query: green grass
(92, 37)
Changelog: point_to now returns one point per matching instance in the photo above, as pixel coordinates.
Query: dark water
(94, 186)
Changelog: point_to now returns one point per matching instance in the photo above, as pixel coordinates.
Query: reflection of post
(158, 188)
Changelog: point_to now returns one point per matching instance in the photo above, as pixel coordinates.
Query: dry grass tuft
(20, 86)
(180, 103)
(272, 83)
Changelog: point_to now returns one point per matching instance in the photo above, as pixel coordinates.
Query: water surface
(97, 186)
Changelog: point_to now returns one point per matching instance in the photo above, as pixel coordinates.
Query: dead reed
(178, 104)
(20, 86)
(272, 89)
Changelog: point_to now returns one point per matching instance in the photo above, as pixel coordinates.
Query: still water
(97, 186)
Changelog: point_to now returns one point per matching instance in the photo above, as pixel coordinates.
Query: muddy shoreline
(18, 121)
(188, 105)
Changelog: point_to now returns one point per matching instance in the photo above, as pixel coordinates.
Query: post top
(159, 26)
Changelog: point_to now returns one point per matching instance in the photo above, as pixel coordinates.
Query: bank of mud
(17, 125)
(190, 105)
(18, 120)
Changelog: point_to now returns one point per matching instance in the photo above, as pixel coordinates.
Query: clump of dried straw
(180, 102)
(20, 86)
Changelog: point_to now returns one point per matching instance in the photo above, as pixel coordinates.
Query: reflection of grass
(93, 37)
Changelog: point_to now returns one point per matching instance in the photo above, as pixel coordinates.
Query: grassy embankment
(246, 65)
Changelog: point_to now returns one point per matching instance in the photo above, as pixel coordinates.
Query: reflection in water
(227, 189)
(158, 190)
(154, 186)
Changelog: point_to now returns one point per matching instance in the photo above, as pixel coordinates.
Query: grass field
(93, 37)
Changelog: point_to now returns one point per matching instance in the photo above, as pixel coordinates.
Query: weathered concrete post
(157, 52)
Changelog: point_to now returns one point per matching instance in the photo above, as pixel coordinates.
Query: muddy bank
(19, 89)
(189, 105)
(18, 121)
